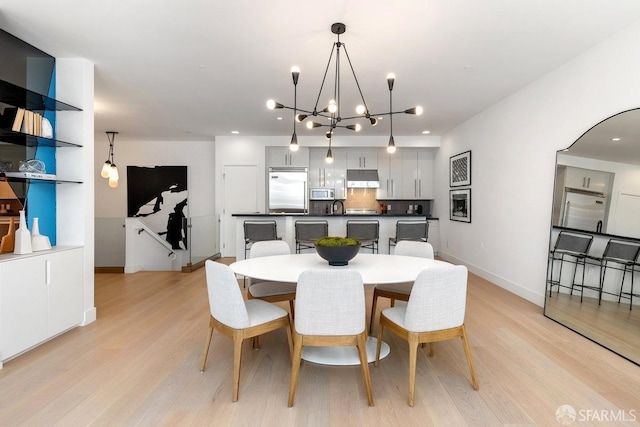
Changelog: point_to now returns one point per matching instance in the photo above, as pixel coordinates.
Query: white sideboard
(41, 296)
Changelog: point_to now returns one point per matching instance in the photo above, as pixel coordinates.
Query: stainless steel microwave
(321, 194)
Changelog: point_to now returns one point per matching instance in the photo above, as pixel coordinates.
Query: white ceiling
(194, 69)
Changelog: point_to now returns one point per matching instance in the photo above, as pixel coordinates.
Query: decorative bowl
(337, 254)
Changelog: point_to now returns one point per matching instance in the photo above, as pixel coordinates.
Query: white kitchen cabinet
(328, 175)
(279, 157)
(390, 173)
(41, 295)
(320, 172)
(417, 174)
(587, 179)
(362, 158)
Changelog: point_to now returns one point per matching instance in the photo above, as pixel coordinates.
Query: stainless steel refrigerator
(584, 211)
(288, 190)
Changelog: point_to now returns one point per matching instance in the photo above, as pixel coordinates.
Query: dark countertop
(391, 215)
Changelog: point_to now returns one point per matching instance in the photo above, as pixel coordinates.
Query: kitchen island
(337, 227)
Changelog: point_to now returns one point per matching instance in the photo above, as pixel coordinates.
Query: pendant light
(332, 111)
(109, 169)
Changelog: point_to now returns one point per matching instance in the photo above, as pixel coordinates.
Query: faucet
(333, 206)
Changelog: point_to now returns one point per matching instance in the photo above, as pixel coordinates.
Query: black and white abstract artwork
(460, 169)
(158, 195)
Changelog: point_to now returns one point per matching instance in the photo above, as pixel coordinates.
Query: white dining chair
(267, 290)
(435, 312)
(399, 291)
(236, 318)
(330, 311)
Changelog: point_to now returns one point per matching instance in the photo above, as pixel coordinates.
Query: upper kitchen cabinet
(328, 175)
(417, 174)
(282, 157)
(587, 179)
(362, 158)
(390, 173)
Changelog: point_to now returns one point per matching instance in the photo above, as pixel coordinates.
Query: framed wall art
(460, 169)
(460, 205)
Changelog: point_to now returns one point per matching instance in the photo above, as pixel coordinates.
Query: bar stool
(410, 230)
(623, 254)
(308, 232)
(367, 231)
(258, 231)
(571, 247)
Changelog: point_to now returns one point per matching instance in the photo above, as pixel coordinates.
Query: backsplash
(361, 198)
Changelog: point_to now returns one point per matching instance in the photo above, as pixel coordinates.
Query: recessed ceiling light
(426, 132)
(235, 132)
(278, 118)
(468, 67)
(202, 66)
(615, 139)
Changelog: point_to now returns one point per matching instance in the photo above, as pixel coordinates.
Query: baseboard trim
(529, 295)
(111, 270)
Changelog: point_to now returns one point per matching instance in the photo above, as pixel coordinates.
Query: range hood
(362, 178)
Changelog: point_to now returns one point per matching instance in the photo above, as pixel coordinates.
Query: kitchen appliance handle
(566, 213)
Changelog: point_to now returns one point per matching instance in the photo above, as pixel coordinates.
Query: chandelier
(332, 111)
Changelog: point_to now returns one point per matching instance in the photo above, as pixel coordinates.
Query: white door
(240, 196)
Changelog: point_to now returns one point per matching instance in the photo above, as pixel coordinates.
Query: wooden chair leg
(207, 344)
(295, 366)
(255, 342)
(413, 355)
(374, 305)
(292, 307)
(362, 351)
(430, 349)
(289, 339)
(378, 345)
(467, 352)
(237, 356)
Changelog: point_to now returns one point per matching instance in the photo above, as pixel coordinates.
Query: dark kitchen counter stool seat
(623, 255)
(259, 231)
(307, 232)
(410, 230)
(366, 231)
(573, 248)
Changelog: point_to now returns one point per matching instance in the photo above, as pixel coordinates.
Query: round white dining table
(374, 269)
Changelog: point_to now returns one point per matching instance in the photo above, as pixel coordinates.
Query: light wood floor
(609, 323)
(138, 365)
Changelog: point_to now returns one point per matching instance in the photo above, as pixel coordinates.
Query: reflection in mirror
(595, 236)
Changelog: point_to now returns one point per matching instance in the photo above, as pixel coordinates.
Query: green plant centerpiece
(337, 251)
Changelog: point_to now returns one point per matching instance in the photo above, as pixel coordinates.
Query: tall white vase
(23, 237)
(38, 241)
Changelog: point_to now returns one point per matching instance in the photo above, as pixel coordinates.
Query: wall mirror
(597, 198)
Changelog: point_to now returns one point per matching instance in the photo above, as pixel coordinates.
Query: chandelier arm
(336, 88)
(355, 78)
(324, 77)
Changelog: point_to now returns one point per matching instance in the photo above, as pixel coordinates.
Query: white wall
(111, 203)
(514, 146)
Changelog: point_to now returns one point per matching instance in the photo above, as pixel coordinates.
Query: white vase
(38, 241)
(23, 237)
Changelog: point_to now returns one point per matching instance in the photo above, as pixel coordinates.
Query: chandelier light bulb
(360, 109)
(293, 146)
(113, 183)
(271, 104)
(329, 158)
(332, 107)
(391, 147)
